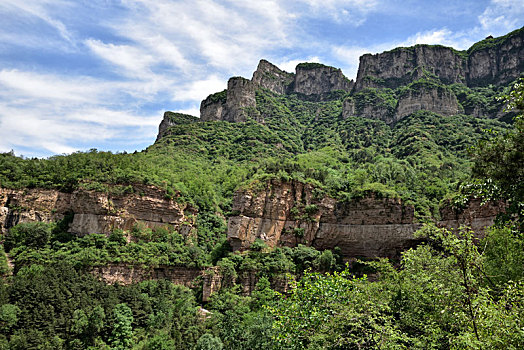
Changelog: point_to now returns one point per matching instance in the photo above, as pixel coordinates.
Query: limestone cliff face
(498, 63)
(211, 278)
(171, 119)
(94, 212)
(476, 215)
(231, 106)
(269, 76)
(437, 99)
(287, 213)
(491, 61)
(316, 79)
(31, 205)
(404, 65)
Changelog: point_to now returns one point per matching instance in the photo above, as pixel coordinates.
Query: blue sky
(76, 75)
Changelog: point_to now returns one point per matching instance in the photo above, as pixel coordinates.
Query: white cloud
(53, 112)
(353, 11)
(289, 65)
(501, 16)
(38, 9)
(199, 89)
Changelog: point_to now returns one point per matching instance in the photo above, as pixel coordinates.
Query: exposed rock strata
(240, 96)
(287, 213)
(476, 215)
(171, 119)
(269, 76)
(94, 212)
(211, 279)
(438, 100)
(497, 64)
(492, 61)
(404, 65)
(317, 79)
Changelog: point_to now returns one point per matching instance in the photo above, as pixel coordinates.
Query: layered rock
(287, 213)
(95, 212)
(496, 60)
(404, 65)
(317, 79)
(269, 76)
(491, 61)
(231, 105)
(477, 215)
(211, 278)
(171, 119)
(437, 99)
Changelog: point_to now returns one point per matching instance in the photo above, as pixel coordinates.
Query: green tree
(209, 342)
(122, 336)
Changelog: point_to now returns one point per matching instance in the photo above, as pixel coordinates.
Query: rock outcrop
(269, 76)
(95, 212)
(491, 61)
(171, 119)
(288, 213)
(476, 214)
(211, 279)
(232, 104)
(437, 99)
(318, 79)
(496, 60)
(401, 66)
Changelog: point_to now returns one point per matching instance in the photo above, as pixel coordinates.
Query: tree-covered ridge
(454, 291)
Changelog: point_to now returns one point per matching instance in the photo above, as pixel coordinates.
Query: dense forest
(455, 290)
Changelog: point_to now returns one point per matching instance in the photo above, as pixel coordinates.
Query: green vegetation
(454, 291)
(218, 96)
(491, 42)
(311, 65)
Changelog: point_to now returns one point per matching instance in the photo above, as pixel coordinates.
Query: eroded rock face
(211, 278)
(316, 79)
(239, 96)
(269, 76)
(404, 65)
(438, 100)
(94, 212)
(497, 64)
(288, 213)
(476, 215)
(494, 61)
(171, 119)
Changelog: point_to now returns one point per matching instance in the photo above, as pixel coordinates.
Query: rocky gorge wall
(288, 213)
(495, 61)
(95, 212)
(211, 279)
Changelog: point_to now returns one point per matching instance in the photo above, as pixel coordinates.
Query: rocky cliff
(269, 76)
(401, 66)
(287, 213)
(491, 61)
(496, 60)
(232, 104)
(95, 212)
(436, 99)
(211, 279)
(171, 119)
(319, 80)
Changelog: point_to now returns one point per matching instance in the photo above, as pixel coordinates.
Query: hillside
(281, 173)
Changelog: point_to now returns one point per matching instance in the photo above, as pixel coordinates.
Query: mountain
(280, 174)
